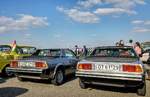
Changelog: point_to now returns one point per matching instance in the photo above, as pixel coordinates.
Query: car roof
(5, 45)
(114, 47)
(26, 46)
(55, 49)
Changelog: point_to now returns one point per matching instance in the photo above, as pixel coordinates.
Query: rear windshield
(114, 52)
(26, 50)
(47, 53)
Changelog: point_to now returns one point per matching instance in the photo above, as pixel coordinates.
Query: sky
(65, 23)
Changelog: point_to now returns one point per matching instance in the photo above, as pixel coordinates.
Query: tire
(6, 73)
(58, 78)
(82, 84)
(142, 90)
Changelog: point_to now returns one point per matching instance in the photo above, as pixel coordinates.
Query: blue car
(50, 64)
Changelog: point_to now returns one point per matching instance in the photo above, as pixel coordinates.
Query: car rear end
(34, 69)
(125, 73)
(111, 71)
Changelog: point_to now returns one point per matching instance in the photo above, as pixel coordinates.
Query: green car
(8, 53)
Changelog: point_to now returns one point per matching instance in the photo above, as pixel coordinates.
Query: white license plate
(26, 64)
(108, 67)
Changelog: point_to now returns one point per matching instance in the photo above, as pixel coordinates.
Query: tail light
(85, 66)
(40, 65)
(132, 68)
(14, 64)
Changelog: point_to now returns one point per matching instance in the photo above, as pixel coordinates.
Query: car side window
(44, 53)
(69, 53)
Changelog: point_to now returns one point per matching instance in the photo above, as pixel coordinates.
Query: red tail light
(40, 65)
(85, 66)
(132, 68)
(14, 64)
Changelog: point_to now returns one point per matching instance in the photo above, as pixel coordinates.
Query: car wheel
(9, 74)
(142, 90)
(6, 73)
(59, 78)
(82, 84)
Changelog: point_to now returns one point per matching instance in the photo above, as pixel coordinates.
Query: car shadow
(70, 78)
(12, 91)
(36, 81)
(112, 89)
(67, 79)
(148, 74)
(2, 80)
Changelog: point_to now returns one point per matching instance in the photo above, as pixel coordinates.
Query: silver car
(112, 66)
(146, 55)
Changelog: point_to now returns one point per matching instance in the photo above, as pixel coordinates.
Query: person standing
(85, 51)
(76, 50)
(130, 43)
(138, 49)
(117, 43)
(121, 43)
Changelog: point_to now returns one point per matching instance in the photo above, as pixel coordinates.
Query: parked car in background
(49, 64)
(112, 66)
(146, 52)
(146, 55)
(8, 53)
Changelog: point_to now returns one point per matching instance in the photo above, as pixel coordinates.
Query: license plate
(108, 67)
(26, 64)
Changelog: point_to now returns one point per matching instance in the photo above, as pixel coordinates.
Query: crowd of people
(81, 51)
(137, 46)
(85, 51)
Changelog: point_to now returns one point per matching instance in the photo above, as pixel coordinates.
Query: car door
(70, 61)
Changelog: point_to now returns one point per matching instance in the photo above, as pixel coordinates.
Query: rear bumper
(110, 76)
(118, 80)
(28, 73)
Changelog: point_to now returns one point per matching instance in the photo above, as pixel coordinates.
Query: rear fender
(3, 65)
(56, 68)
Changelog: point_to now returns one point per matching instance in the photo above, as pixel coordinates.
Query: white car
(146, 56)
(112, 66)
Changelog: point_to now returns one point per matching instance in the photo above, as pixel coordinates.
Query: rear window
(47, 53)
(114, 52)
(26, 50)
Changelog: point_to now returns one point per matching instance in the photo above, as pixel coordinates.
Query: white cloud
(141, 25)
(147, 22)
(88, 3)
(137, 22)
(141, 30)
(126, 4)
(23, 22)
(80, 16)
(107, 11)
(83, 10)
(141, 22)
